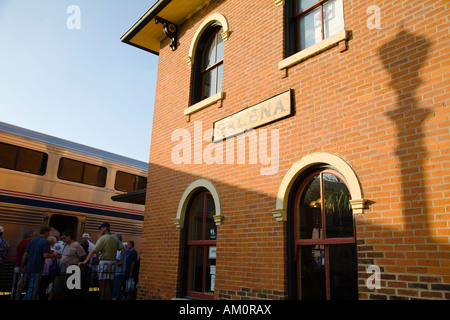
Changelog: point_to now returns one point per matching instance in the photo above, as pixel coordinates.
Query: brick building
(300, 150)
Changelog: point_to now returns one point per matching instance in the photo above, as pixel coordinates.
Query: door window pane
(310, 222)
(196, 257)
(312, 272)
(343, 272)
(211, 227)
(196, 219)
(338, 212)
(210, 271)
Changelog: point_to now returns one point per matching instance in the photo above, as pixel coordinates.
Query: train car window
(129, 182)
(77, 171)
(22, 159)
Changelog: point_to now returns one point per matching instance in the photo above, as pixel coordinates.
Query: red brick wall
(382, 105)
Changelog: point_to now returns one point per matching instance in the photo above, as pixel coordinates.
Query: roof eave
(142, 22)
(145, 34)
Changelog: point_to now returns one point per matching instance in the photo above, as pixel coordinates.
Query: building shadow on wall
(164, 269)
(403, 57)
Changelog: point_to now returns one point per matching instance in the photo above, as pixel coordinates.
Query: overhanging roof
(147, 35)
(136, 197)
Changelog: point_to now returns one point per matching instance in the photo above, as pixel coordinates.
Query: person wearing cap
(4, 248)
(88, 238)
(91, 245)
(106, 247)
(92, 263)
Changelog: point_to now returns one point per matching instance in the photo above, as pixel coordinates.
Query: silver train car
(47, 181)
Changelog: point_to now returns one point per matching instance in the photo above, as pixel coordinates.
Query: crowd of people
(42, 265)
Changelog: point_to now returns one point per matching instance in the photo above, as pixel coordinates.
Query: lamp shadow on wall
(403, 57)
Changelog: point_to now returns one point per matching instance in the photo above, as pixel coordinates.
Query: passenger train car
(47, 181)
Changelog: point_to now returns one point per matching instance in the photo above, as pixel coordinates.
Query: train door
(63, 222)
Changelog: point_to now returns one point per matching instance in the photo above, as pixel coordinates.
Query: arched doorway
(322, 239)
(198, 215)
(200, 246)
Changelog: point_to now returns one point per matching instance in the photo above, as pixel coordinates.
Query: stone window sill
(313, 50)
(204, 103)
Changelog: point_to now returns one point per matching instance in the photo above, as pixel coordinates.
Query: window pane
(343, 271)
(310, 222)
(142, 183)
(219, 78)
(31, 161)
(129, 182)
(338, 212)
(70, 170)
(206, 85)
(94, 175)
(209, 57)
(213, 81)
(209, 83)
(310, 28)
(7, 155)
(333, 17)
(312, 278)
(124, 181)
(220, 47)
(305, 4)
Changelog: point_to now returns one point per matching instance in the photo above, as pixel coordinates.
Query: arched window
(208, 66)
(323, 234)
(200, 246)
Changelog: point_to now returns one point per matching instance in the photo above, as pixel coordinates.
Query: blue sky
(83, 85)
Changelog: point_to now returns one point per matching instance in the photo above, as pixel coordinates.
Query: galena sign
(272, 109)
